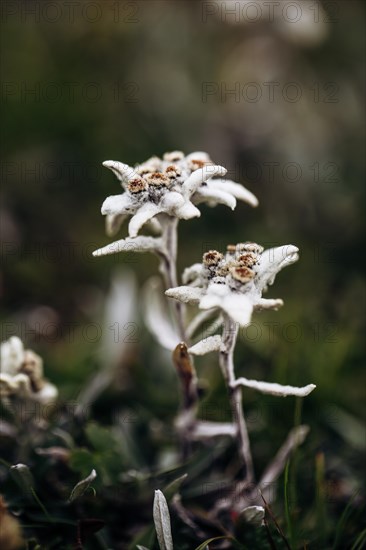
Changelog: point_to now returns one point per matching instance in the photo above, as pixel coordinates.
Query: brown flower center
(242, 274)
(158, 179)
(173, 171)
(212, 257)
(174, 156)
(250, 247)
(248, 259)
(137, 185)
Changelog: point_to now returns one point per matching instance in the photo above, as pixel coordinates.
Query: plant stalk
(235, 395)
(183, 362)
(169, 267)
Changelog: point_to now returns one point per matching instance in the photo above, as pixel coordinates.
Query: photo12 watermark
(269, 92)
(69, 93)
(259, 11)
(50, 332)
(71, 12)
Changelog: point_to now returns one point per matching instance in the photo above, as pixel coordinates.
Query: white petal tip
(111, 248)
(275, 389)
(111, 164)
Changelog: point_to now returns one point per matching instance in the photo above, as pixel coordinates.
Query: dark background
(126, 80)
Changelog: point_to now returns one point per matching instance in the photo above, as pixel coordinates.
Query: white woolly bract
(156, 314)
(124, 172)
(143, 215)
(171, 185)
(185, 294)
(215, 196)
(207, 430)
(272, 261)
(12, 355)
(198, 177)
(275, 389)
(119, 205)
(136, 244)
(235, 189)
(238, 306)
(264, 303)
(235, 297)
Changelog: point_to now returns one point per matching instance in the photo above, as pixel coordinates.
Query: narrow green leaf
(203, 546)
(40, 504)
(173, 487)
(146, 538)
(342, 521)
(360, 541)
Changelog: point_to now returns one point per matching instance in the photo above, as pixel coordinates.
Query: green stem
(40, 504)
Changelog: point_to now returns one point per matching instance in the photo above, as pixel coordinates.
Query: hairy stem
(235, 395)
(183, 362)
(169, 267)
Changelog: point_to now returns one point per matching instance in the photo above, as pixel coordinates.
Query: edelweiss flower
(172, 185)
(22, 373)
(234, 282)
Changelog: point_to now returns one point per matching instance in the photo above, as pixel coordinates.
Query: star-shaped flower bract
(172, 185)
(234, 282)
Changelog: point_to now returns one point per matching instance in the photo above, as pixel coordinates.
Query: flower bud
(173, 171)
(173, 156)
(212, 258)
(248, 259)
(137, 185)
(158, 179)
(242, 274)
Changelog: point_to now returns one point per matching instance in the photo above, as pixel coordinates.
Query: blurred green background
(278, 100)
